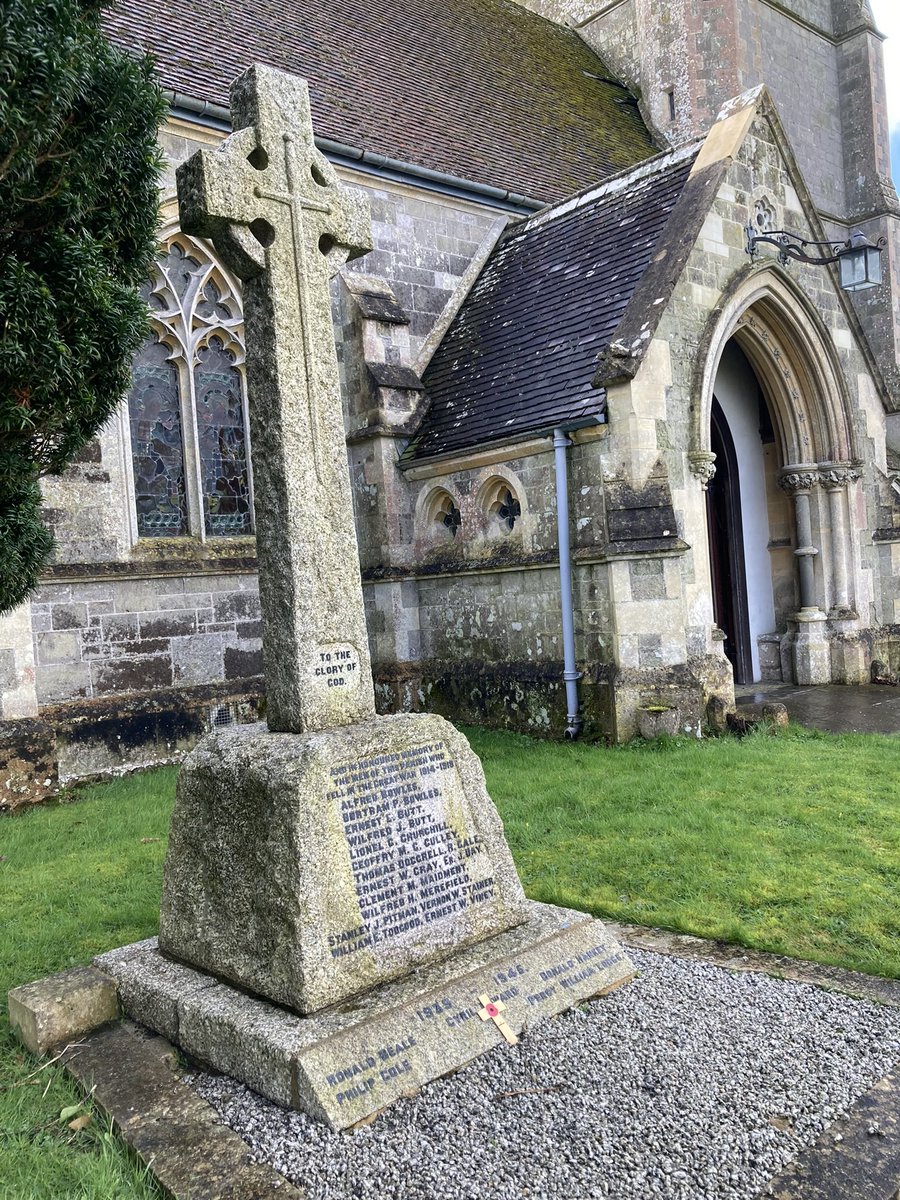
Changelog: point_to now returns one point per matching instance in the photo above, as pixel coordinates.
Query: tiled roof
(481, 89)
(520, 355)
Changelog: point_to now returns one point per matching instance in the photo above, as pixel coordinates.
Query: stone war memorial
(341, 919)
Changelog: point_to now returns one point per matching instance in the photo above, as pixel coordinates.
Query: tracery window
(187, 406)
(440, 515)
(501, 504)
(764, 214)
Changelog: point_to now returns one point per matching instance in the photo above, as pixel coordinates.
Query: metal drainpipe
(561, 443)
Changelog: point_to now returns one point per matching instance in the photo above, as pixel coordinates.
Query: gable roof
(521, 355)
(481, 89)
(621, 359)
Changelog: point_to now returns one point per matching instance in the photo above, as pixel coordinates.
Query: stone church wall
(471, 624)
(108, 636)
(133, 647)
(718, 269)
(706, 58)
(814, 12)
(801, 64)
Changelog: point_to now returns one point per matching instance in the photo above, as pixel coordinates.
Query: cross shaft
(282, 221)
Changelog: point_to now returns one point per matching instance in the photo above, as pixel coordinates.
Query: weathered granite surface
(59, 1008)
(349, 1062)
(309, 868)
(282, 221)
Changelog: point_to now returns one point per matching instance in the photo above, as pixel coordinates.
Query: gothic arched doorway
(773, 439)
(740, 497)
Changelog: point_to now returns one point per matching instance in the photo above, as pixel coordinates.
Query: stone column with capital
(808, 644)
(835, 480)
(799, 483)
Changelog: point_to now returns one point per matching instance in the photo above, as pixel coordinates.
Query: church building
(616, 444)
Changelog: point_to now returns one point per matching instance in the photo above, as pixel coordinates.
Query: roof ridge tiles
(611, 186)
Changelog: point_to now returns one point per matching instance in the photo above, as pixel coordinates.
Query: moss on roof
(482, 89)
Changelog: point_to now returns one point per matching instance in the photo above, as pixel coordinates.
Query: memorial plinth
(309, 867)
(347, 1063)
(341, 920)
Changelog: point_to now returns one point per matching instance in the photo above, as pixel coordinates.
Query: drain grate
(222, 714)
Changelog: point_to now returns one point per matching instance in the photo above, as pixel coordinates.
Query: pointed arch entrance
(745, 513)
(772, 426)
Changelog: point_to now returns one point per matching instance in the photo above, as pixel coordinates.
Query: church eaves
(521, 355)
(481, 89)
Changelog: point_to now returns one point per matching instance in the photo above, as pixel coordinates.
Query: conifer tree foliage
(79, 204)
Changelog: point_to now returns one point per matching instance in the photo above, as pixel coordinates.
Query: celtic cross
(280, 218)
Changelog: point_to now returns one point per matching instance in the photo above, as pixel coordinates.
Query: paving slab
(836, 708)
(856, 1158)
(129, 1073)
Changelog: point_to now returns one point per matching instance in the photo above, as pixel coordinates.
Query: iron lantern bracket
(793, 248)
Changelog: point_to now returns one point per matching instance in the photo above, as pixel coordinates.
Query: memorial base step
(346, 1063)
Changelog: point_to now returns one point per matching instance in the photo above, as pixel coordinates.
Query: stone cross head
(268, 174)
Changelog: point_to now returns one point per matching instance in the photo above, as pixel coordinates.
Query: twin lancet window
(499, 507)
(187, 407)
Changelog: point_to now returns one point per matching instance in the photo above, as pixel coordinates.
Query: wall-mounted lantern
(858, 258)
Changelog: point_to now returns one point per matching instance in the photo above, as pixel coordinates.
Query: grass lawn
(788, 843)
(75, 879)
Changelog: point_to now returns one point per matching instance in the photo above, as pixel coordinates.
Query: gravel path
(691, 1083)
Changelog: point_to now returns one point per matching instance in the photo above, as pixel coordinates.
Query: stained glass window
(221, 442)
(156, 441)
(188, 392)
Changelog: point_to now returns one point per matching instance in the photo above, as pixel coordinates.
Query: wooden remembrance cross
(280, 219)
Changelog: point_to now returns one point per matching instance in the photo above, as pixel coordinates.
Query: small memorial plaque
(336, 667)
